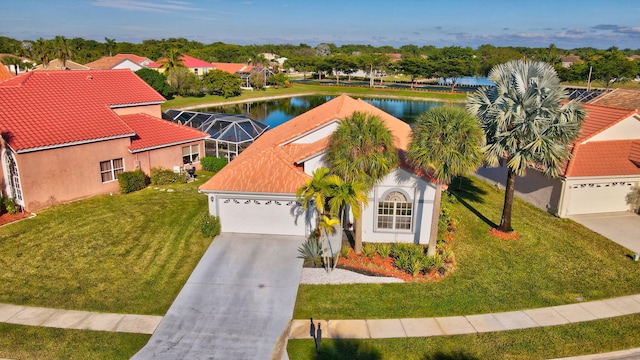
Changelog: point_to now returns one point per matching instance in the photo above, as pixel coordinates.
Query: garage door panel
(278, 217)
(591, 198)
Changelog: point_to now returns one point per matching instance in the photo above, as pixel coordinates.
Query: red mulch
(7, 218)
(383, 267)
(503, 235)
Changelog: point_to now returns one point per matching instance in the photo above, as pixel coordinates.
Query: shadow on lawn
(452, 356)
(465, 191)
(339, 349)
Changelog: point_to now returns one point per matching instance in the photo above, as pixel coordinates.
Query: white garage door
(603, 197)
(261, 216)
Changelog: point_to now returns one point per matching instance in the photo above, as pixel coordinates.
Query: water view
(278, 111)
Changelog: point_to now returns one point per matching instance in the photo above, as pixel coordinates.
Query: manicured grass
(591, 337)
(554, 262)
(32, 342)
(297, 89)
(122, 253)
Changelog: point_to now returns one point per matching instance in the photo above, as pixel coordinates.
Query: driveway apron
(237, 303)
(621, 227)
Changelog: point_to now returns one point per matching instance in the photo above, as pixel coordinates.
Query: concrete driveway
(237, 303)
(621, 227)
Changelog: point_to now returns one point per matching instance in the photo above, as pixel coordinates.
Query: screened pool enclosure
(230, 134)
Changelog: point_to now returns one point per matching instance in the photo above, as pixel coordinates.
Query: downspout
(560, 211)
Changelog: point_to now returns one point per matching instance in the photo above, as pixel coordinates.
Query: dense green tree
(222, 83)
(172, 62)
(341, 64)
(361, 150)
(526, 122)
(452, 69)
(42, 51)
(445, 140)
(156, 80)
(183, 82)
(301, 64)
(373, 63)
(613, 67)
(258, 79)
(415, 67)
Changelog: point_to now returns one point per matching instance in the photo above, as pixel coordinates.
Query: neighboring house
(619, 98)
(140, 60)
(256, 192)
(66, 135)
(567, 61)
(244, 70)
(28, 64)
(113, 62)
(56, 64)
(196, 66)
(395, 57)
(605, 165)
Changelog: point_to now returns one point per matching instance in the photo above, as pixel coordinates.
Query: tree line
(603, 67)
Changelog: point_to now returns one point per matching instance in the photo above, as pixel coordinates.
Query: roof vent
(90, 77)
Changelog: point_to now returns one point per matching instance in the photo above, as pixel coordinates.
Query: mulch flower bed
(7, 218)
(503, 235)
(378, 266)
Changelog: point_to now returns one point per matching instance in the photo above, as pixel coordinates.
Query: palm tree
(42, 51)
(173, 61)
(526, 122)
(12, 60)
(63, 50)
(446, 140)
(316, 190)
(110, 45)
(361, 150)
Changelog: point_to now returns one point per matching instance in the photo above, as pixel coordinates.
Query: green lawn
(32, 342)
(123, 253)
(591, 337)
(554, 262)
(297, 89)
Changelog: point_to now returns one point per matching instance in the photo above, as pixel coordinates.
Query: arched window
(395, 212)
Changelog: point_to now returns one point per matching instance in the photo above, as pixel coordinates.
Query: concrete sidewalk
(79, 320)
(470, 324)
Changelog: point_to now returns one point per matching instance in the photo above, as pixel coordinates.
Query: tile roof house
(141, 60)
(196, 66)
(5, 73)
(620, 98)
(255, 193)
(605, 164)
(114, 62)
(66, 135)
(56, 64)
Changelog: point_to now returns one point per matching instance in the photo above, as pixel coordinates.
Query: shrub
(311, 251)
(131, 181)
(8, 205)
(369, 251)
(384, 249)
(212, 163)
(160, 176)
(210, 226)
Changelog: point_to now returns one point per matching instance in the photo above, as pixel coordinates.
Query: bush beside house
(131, 181)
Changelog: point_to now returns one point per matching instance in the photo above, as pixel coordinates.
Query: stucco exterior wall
(55, 176)
(153, 110)
(628, 129)
(260, 213)
(534, 188)
(128, 65)
(166, 158)
(420, 192)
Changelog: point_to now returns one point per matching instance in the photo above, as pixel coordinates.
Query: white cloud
(149, 6)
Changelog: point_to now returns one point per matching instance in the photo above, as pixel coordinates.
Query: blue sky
(567, 24)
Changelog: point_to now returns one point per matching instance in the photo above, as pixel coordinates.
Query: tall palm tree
(42, 51)
(527, 122)
(173, 61)
(63, 49)
(361, 149)
(446, 140)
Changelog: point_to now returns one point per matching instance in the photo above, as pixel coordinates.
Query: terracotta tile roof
(188, 61)
(268, 165)
(135, 58)
(232, 68)
(4, 73)
(604, 158)
(42, 109)
(105, 63)
(56, 64)
(152, 132)
(634, 152)
(600, 118)
(619, 98)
